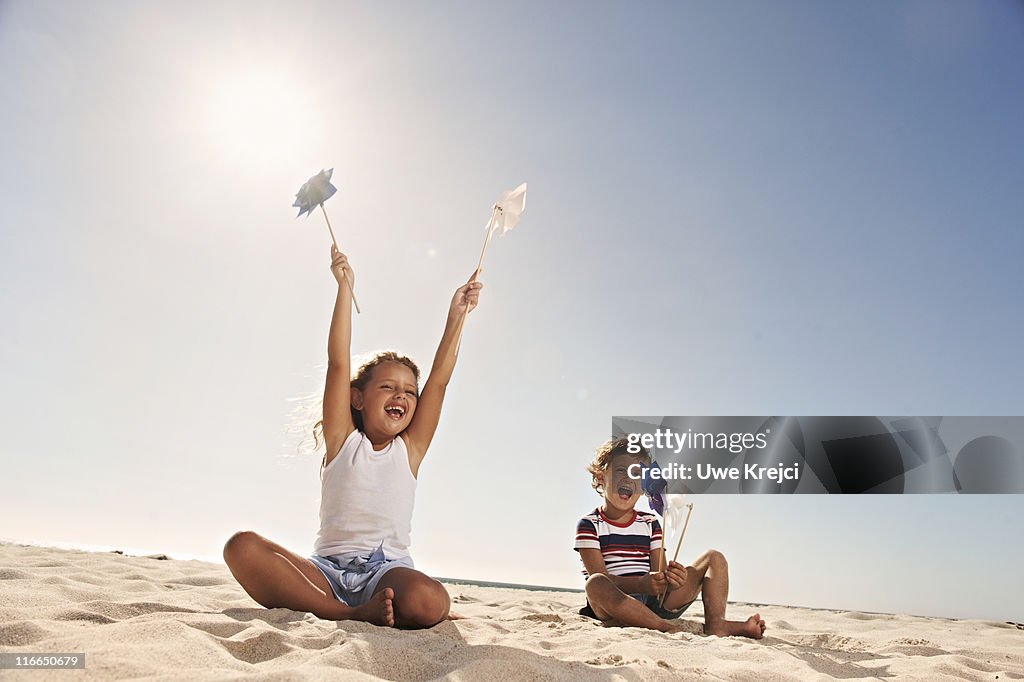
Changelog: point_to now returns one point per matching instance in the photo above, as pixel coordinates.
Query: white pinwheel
(674, 506)
(505, 215)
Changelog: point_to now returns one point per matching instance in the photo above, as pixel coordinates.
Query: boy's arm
(428, 410)
(338, 423)
(652, 583)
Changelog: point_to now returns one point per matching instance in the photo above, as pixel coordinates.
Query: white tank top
(366, 499)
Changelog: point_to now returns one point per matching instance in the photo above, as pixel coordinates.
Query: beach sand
(139, 617)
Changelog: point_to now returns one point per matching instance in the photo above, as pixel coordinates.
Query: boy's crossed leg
(616, 608)
(277, 578)
(709, 575)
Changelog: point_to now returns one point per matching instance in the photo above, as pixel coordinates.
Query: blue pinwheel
(656, 490)
(313, 193)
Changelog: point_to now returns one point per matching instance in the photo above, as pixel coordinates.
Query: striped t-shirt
(626, 547)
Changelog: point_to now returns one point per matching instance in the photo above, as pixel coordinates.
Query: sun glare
(259, 115)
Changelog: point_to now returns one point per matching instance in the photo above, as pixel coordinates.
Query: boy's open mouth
(625, 492)
(396, 412)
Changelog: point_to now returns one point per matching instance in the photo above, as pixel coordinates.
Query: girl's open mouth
(625, 492)
(396, 412)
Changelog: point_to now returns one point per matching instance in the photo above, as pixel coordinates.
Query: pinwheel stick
(679, 544)
(663, 555)
(465, 314)
(664, 539)
(479, 266)
(335, 241)
(487, 239)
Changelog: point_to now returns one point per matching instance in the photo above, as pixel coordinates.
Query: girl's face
(388, 401)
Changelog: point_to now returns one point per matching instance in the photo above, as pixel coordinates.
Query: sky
(787, 208)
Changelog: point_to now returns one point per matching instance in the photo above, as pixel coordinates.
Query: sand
(138, 617)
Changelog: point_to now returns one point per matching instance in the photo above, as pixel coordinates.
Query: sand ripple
(137, 617)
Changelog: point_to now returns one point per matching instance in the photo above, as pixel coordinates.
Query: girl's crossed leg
(277, 578)
(419, 600)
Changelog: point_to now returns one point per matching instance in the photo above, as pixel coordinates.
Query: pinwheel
(313, 193)
(655, 489)
(674, 510)
(670, 508)
(504, 215)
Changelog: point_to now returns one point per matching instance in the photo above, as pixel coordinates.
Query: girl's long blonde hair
(359, 379)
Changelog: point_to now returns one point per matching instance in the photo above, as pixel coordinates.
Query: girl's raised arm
(428, 411)
(338, 424)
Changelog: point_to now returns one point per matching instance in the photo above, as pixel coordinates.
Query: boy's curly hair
(607, 452)
(359, 379)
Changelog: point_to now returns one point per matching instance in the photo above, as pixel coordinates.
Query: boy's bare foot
(379, 610)
(752, 627)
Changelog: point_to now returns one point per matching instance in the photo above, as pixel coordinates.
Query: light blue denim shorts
(353, 577)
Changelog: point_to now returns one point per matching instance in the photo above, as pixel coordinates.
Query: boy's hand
(654, 583)
(675, 575)
(340, 267)
(466, 297)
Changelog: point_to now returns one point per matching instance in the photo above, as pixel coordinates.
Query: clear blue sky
(734, 208)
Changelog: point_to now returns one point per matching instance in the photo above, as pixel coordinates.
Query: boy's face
(620, 491)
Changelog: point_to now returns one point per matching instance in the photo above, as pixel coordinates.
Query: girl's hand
(466, 297)
(340, 267)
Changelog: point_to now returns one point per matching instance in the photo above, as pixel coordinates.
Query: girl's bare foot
(752, 627)
(379, 610)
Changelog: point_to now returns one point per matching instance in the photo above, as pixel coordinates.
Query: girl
(377, 427)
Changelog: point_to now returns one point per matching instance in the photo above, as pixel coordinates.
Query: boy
(621, 550)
